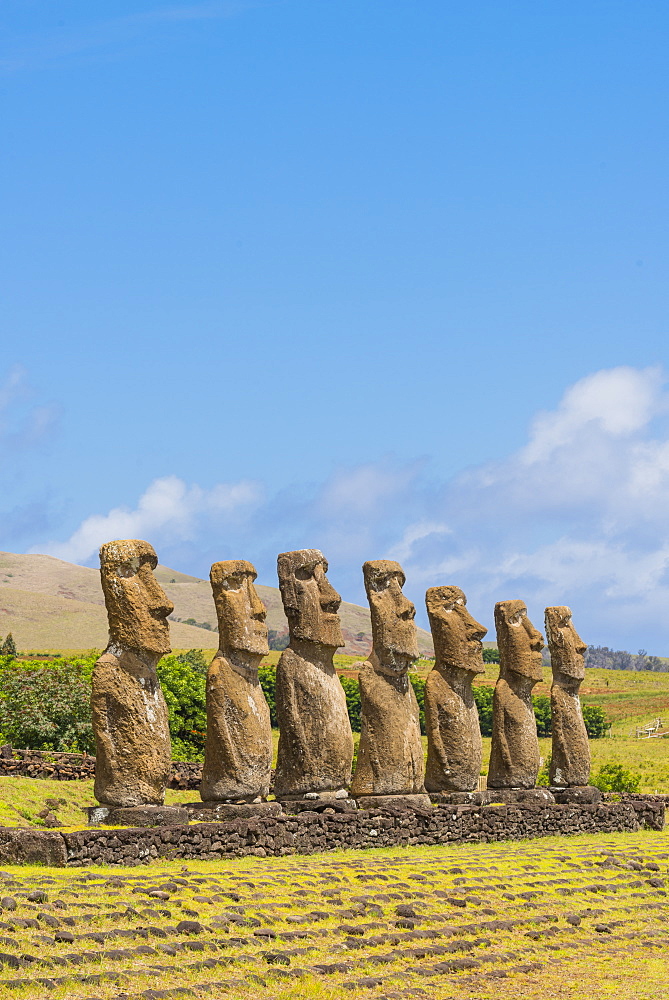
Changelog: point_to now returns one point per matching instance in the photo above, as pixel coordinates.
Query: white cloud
(578, 516)
(167, 508)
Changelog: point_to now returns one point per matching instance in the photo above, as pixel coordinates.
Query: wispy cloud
(168, 509)
(23, 422)
(63, 43)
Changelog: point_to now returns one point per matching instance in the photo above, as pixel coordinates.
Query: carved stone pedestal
(137, 816)
(518, 796)
(318, 802)
(418, 801)
(211, 812)
(457, 798)
(583, 794)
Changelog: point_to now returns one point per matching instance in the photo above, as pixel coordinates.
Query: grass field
(560, 917)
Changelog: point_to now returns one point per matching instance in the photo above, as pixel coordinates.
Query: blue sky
(384, 278)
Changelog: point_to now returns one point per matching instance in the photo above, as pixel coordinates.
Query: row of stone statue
(315, 752)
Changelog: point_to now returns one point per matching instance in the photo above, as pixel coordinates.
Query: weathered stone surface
(364, 828)
(570, 750)
(517, 795)
(315, 740)
(31, 847)
(212, 812)
(137, 815)
(585, 794)
(454, 748)
(238, 751)
(397, 801)
(514, 755)
(390, 752)
(130, 723)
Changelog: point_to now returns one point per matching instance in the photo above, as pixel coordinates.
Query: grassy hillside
(47, 603)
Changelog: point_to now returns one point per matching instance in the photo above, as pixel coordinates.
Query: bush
(418, 684)
(483, 698)
(184, 687)
(46, 707)
(8, 647)
(490, 655)
(267, 678)
(596, 723)
(614, 778)
(542, 713)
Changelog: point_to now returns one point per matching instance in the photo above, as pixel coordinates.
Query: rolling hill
(49, 604)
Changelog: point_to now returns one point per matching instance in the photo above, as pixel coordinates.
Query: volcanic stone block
(138, 815)
(454, 748)
(133, 753)
(390, 752)
(31, 847)
(570, 750)
(238, 751)
(315, 751)
(514, 755)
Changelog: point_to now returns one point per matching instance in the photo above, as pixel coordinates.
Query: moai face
(137, 606)
(241, 614)
(519, 643)
(456, 635)
(393, 627)
(310, 601)
(565, 644)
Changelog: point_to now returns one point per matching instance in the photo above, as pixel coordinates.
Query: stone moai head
(240, 612)
(456, 635)
(519, 643)
(565, 644)
(393, 628)
(137, 606)
(310, 601)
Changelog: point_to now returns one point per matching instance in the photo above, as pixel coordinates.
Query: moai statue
(570, 753)
(514, 755)
(133, 763)
(238, 751)
(390, 765)
(315, 740)
(454, 750)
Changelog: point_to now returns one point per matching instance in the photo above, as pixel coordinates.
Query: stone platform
(309, 832)
(137, 815)
(211, 812)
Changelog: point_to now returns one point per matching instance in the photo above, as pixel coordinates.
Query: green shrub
(267, 678)
(418, 684)
(184, 687)
(542, 713)
(353, 704)
(614, 778)
(8, 647)
(483, 698)
(490, 655)
(596, 723)
(46, 707)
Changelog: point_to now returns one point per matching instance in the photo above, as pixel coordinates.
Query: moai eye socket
(127, 569)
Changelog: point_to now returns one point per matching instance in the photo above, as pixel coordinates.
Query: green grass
(342, 908)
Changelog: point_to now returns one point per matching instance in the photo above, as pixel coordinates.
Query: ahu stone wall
(310, 832)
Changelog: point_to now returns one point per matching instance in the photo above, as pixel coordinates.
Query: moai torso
(238, 750)
(133, 762)
(454, 748)
(390, 752)
(514, 754)
(315, 740)
(570, 751)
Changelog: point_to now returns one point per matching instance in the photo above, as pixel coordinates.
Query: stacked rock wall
(310, 832)
(57, 766)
